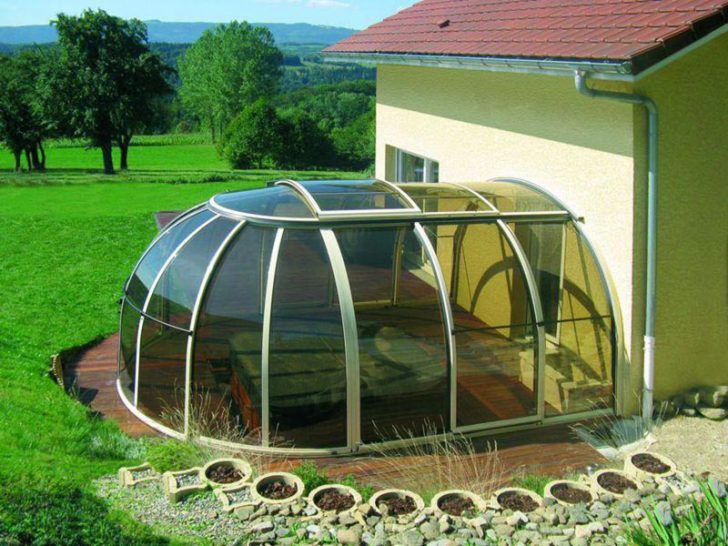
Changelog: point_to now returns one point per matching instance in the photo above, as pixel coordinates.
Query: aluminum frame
(416, 220)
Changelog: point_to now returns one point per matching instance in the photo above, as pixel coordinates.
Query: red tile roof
(637, 31)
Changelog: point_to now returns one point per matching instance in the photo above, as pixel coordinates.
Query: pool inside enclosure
(324, 316)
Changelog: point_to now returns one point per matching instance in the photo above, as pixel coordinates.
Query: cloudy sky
(345, 13)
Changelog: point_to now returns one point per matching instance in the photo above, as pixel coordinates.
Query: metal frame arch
(448, 321)
(150, 293)
(351, 338)
(301, 190)
(194, 319)
(621, 371)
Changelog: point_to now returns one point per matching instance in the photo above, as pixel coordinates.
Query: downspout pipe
(581, 82)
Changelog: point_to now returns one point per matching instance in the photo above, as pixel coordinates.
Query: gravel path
(695, 443)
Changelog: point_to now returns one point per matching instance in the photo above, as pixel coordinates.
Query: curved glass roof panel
(513, 197)
(278, 201)
(442, 198)
(355, 195)
(149, 266)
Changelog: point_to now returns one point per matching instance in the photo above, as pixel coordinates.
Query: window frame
(427, 175)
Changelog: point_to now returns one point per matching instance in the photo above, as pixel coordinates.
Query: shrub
(253, 139)
(311, 476)
(174, 455)
(366, 491)
(533, 482)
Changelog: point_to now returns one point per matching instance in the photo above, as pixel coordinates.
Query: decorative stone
(688, 411)
(411, 538)
(262, 527)
(430, 530)
(504, 530)
(349, 536)
(714, 397)
(517, 519)
(714, 414)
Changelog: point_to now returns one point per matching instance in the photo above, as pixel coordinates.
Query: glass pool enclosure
(325, 316)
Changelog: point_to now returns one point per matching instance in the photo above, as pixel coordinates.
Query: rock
(714, 414)
(347, 520)
(444, 523)
(550, 517)
(349, 536)
(314, 532)
(430, 530)
(607, 498)
(411, 538)
(310, 511)
(282, 532)
(718, 486)
(663, 512)
(632, 495)
(714, 397)
(578, 516)
(373, 520)
(516, 519)
(420, 518)
(597, 527)
(579, 542)
(262, 527)
(688, 411)
(504, 530)
(244, 513)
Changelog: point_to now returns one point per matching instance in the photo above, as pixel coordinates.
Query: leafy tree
(107, 81)
(305, 145)
(254, 138)
(355, 143)
(227, 69)
(23, 125)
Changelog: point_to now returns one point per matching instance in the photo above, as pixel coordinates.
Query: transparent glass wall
(402, 350)
(226, 375)
(493, 318)
(127, 348)
(577, 318)
(307, 363)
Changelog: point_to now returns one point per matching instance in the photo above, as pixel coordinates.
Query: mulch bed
(513, 500)
(331, 499)
(614, 483)
(456, 505)
(278, 490)
(649, 463)
(572, 495)
(399, 506)
(224, 473)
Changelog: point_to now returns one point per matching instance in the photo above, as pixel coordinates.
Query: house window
(415, 168)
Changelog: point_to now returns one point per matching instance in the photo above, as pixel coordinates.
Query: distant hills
(185, 33)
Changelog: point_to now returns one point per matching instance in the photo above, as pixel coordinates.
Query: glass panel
(577, 317)
(162, 374)
(443, 198)
(307, 363)
(281, 201)
(434, 171)
(176, 293)
(127, 348)
(402, 351)
(226, 399)
(149, 267)
(493, 316)
(354, 195)
(412, 168)
(579, 360)
(512, 197)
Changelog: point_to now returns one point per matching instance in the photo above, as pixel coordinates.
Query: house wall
(692, 266)
(481, 125)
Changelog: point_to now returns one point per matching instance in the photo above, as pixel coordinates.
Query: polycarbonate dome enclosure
(325, 316)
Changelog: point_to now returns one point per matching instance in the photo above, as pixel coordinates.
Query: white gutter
(580, 80)
(608, 70)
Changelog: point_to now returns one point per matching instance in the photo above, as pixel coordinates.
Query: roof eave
(608, 70)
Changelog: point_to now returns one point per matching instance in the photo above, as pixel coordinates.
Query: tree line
(105, 83)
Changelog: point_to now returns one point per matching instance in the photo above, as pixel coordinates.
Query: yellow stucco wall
(692, 274)
(481, 125)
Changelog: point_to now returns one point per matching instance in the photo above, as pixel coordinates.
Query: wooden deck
(550, 450)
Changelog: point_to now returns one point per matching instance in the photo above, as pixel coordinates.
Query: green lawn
(65, 250)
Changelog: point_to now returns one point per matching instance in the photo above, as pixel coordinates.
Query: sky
(344, 13)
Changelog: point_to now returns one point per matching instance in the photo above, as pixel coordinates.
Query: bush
(253, 139)
(533, 482)
(304, 145)
(174, 455)
(311, 476)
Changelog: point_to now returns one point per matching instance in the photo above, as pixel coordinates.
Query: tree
(355, 143)
(107, 80)
(304, 144)
(23, 125)
(227, 69)
(254, 138)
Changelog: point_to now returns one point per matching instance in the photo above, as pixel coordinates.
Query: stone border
(126, 475)
(399, 493)
(601, 490)
(478, 501)
(633, 470)
(341, 489)
(221, 494)
(285, 477)
(174, 492)
(581, 486)
(238, 464)
(535, 496)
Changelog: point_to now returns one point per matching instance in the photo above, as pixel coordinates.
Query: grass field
(67, 244)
